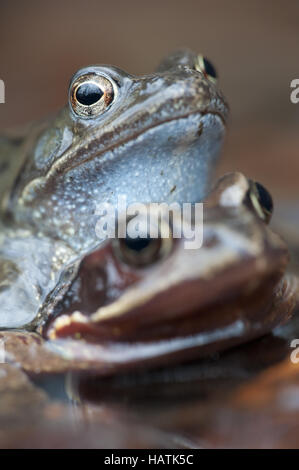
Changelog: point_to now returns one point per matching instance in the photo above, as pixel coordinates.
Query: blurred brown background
(253, 43)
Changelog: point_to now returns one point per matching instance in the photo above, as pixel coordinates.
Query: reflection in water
(165, 397)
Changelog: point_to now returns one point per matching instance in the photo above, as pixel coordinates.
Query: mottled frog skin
(151, 138)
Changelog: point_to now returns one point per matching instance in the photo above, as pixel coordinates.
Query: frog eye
(204, 66)
(143, 251)
(261, 200)
(140, 251)
(91, 95)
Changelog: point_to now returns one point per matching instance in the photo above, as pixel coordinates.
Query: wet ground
(245, 397)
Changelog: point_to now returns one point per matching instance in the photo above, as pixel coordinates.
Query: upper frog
(152, 138)
(149, 138)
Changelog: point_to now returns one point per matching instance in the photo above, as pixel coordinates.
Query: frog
(149, 138)
(131, 306)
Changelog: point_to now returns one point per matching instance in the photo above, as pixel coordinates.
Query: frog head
(151, 138)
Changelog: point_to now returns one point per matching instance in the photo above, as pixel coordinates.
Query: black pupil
(265, 198)
(137, 244)
(89, 93)
(209, 68)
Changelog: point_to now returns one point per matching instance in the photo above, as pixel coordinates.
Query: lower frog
(148, 302)
(151, 138)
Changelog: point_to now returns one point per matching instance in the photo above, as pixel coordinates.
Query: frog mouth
(67, 161)
(201, 114)
(171, 161)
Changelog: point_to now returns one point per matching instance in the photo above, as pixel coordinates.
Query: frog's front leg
(29, 268)
(18, 301)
